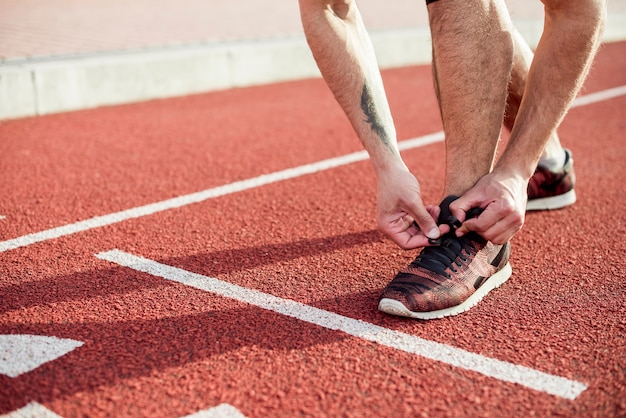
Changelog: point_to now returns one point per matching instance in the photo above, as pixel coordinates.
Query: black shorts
(430, 1)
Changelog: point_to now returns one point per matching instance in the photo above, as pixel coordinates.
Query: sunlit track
(236, 267)
(265, 179)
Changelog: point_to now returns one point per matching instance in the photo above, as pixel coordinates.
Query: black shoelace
(447, 250)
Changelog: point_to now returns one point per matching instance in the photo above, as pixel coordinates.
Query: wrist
(521, 167)
(521, 173)
(390, 166)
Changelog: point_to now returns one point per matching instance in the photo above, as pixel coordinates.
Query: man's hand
(399, 204)
(503, 200)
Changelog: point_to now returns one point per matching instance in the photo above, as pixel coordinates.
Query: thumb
(466, 211)
(424, 221)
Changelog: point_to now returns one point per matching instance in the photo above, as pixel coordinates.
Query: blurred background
(59, 55)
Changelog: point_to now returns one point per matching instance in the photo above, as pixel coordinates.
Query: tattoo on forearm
(373, 118)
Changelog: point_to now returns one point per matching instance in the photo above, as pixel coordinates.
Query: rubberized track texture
(216, 255)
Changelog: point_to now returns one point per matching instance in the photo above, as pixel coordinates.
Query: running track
(216, 255)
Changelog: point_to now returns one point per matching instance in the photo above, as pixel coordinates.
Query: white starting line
(498, 369)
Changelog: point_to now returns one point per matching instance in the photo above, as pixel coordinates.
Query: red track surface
(157, 348)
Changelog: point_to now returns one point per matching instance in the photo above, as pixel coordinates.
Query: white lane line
(498, 369)
(201, 196)
(21, 353)
(221, 411)
(188, 199)
(33, 409)
(599, 96)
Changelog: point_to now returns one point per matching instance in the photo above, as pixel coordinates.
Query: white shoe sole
(395, 307)
(553, 202)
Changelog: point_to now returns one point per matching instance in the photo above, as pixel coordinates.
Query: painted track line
(201, 196)
(221, 411)
(34, 409)
(238, 186)
(22, 353)
(599, 96)
(498, 369)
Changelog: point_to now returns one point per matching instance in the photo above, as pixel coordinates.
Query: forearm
(345, 56)
(569, 42)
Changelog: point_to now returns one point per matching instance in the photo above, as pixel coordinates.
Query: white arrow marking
(32, 410)
(221, 411)
(20, 353)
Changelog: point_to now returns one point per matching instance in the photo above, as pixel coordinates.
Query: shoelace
(447, 250)
(451, 253)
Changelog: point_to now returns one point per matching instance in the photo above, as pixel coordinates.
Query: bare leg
(472, 60)
(571, 37)
(519, 75)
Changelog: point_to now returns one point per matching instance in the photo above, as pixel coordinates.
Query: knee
(583, 19)
(340, 8)
(591, 13)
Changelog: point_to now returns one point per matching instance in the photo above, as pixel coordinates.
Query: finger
(498, 231)
(464, 229)
(480, 225)
(462, 205)
(405, 233)
(409, 226)
(505, 229)
(434, 211)
(408, 220)
(399, 229)
(410, 239)
(416, 241)
(425, 221)
(443, 229)
(405, 223)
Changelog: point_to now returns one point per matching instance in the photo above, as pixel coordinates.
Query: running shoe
(449, 278)
(552, 190)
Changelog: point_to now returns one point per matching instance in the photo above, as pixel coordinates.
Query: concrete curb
(43, 86)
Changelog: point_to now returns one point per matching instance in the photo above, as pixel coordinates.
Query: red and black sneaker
(449, 278)
(552, 190)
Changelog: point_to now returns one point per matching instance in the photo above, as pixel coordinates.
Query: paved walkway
(62, 55)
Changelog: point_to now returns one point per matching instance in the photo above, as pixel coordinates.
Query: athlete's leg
(553, 154)
(570, 39)
(472, 60)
